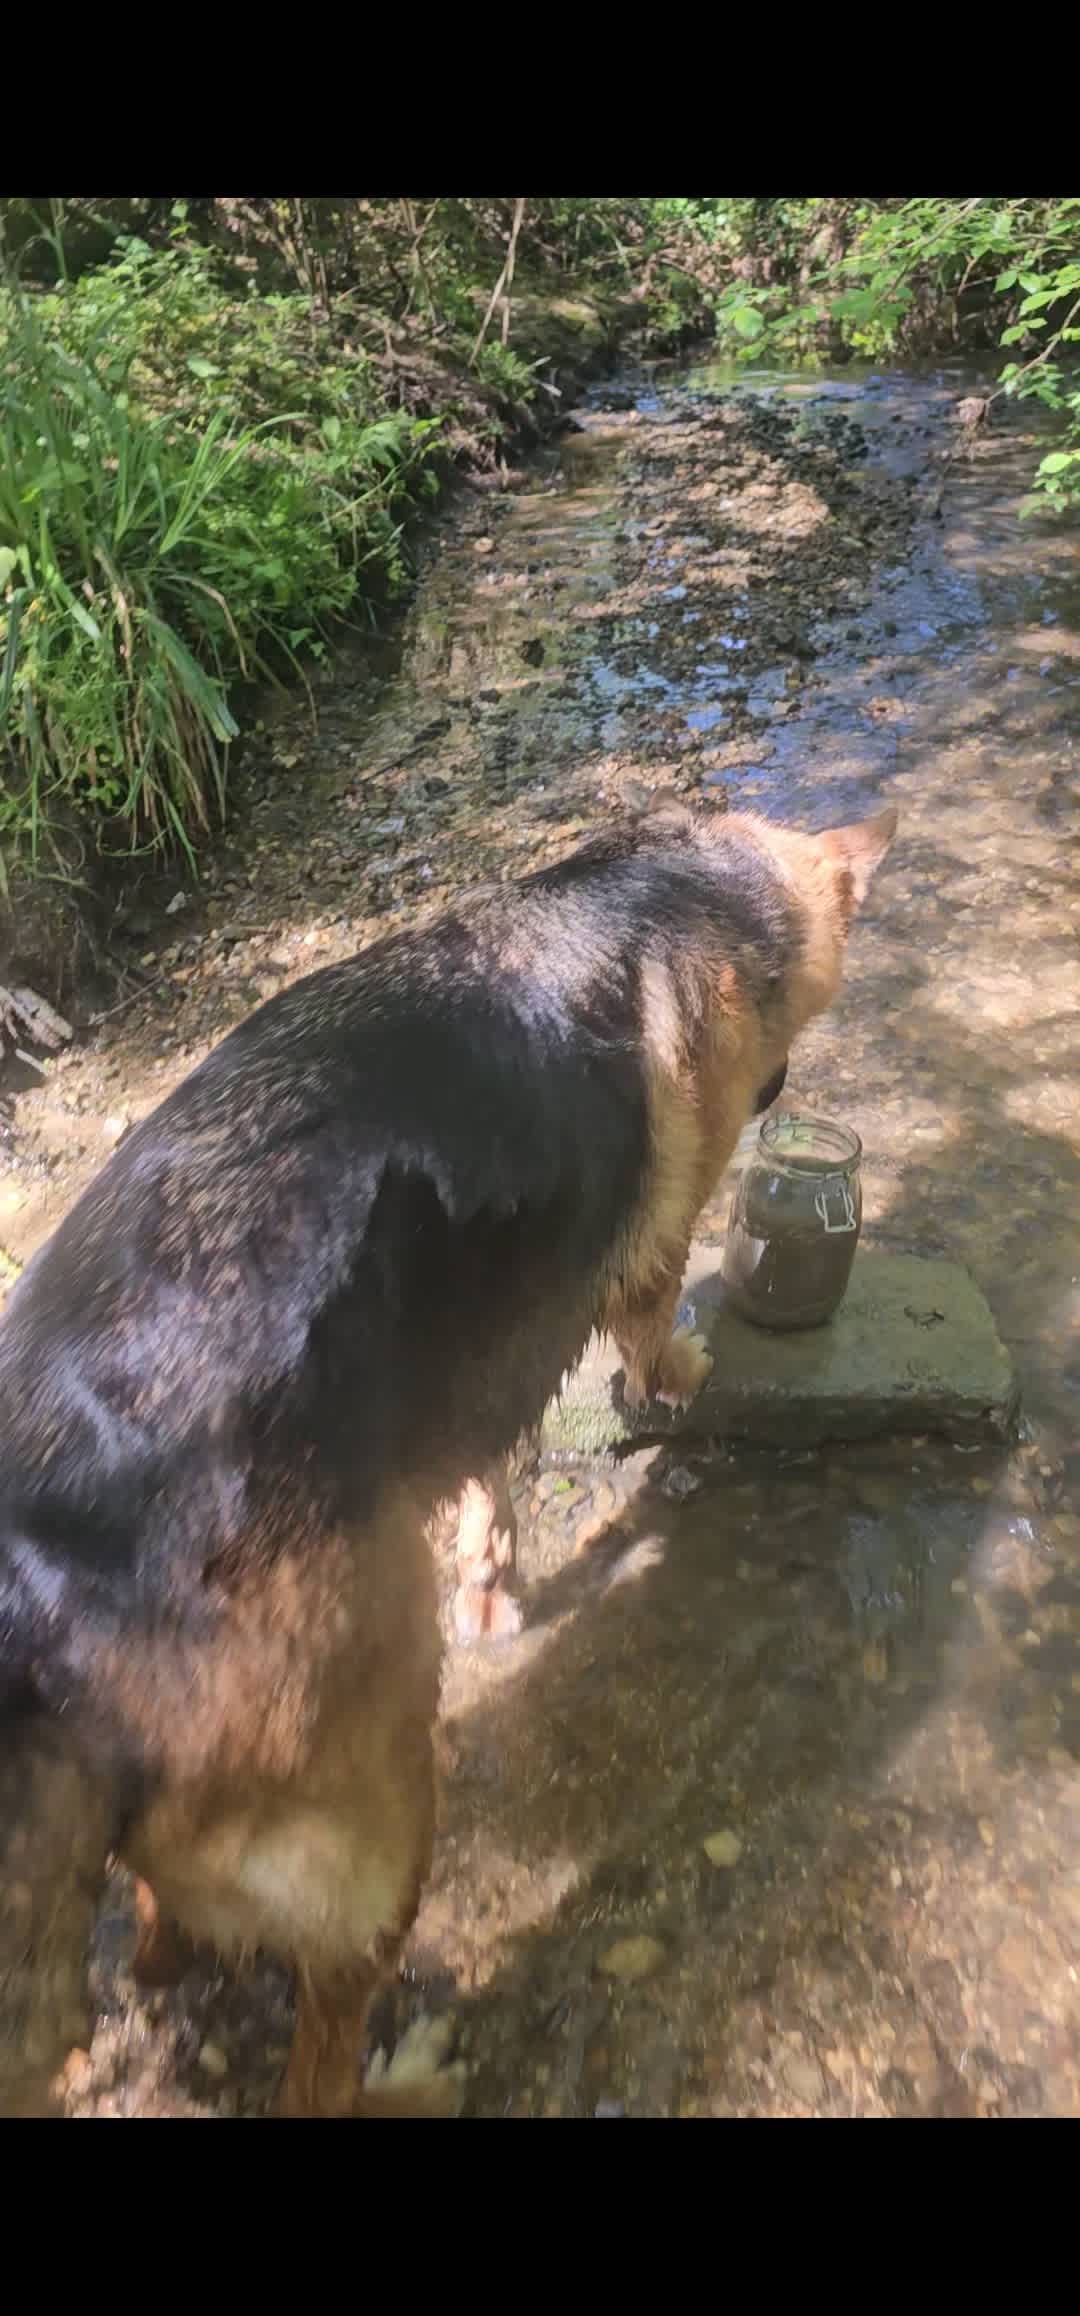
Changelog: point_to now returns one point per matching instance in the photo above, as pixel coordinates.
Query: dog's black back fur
(292, 1266)
(333, 1277)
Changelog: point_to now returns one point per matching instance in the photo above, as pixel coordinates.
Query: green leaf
(11, 654)
(201, 368)
(1057, 460)
(206, 696)
(747, 321)
(8, 563)
(78, 610)
(856, 305)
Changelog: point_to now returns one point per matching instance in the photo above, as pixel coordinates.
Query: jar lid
(809, 1145)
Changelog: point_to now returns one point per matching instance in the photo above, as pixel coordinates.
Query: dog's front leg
(661, 1361)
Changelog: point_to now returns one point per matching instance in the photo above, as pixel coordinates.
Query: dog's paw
(419, 2067)
(686, 1365)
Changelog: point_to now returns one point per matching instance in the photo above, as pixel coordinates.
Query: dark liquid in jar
(782, 1268)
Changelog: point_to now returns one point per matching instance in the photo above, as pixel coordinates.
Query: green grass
(190, 490)
(210, 449)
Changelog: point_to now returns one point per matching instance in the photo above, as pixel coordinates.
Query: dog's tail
(59, 1815)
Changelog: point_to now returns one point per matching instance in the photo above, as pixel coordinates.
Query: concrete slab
(913, 1348)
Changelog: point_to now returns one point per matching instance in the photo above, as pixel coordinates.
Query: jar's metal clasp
(849, 1219)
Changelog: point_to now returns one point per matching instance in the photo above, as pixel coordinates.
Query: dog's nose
(768, 1093)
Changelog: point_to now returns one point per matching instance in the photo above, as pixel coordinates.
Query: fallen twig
(143, 990)
(504, 281)
(417, 232)
(37, 1017)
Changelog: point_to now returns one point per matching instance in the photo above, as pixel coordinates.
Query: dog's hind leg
(484, 1604)
(55, 1833)
(352, 1851)
(324, 2077)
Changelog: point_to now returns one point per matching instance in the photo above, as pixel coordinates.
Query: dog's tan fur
(288, 1796)
(709, 1050)
(323, 1855)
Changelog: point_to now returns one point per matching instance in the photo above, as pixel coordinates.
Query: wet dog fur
(331, 1280)
(486, 1602)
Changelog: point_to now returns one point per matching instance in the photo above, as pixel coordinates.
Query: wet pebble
(802, 2077)
(723, 1848)
(680, 1482)
(630, 1959)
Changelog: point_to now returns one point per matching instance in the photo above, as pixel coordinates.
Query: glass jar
(794, 1223)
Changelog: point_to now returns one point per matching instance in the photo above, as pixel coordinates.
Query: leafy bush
(880, 276)
(191, 486)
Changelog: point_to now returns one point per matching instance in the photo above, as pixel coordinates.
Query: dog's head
(828, 877)
(818, 884)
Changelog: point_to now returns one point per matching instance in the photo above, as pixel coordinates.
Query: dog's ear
(858, 851)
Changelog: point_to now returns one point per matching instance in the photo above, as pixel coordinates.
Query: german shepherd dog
(329, 1281)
